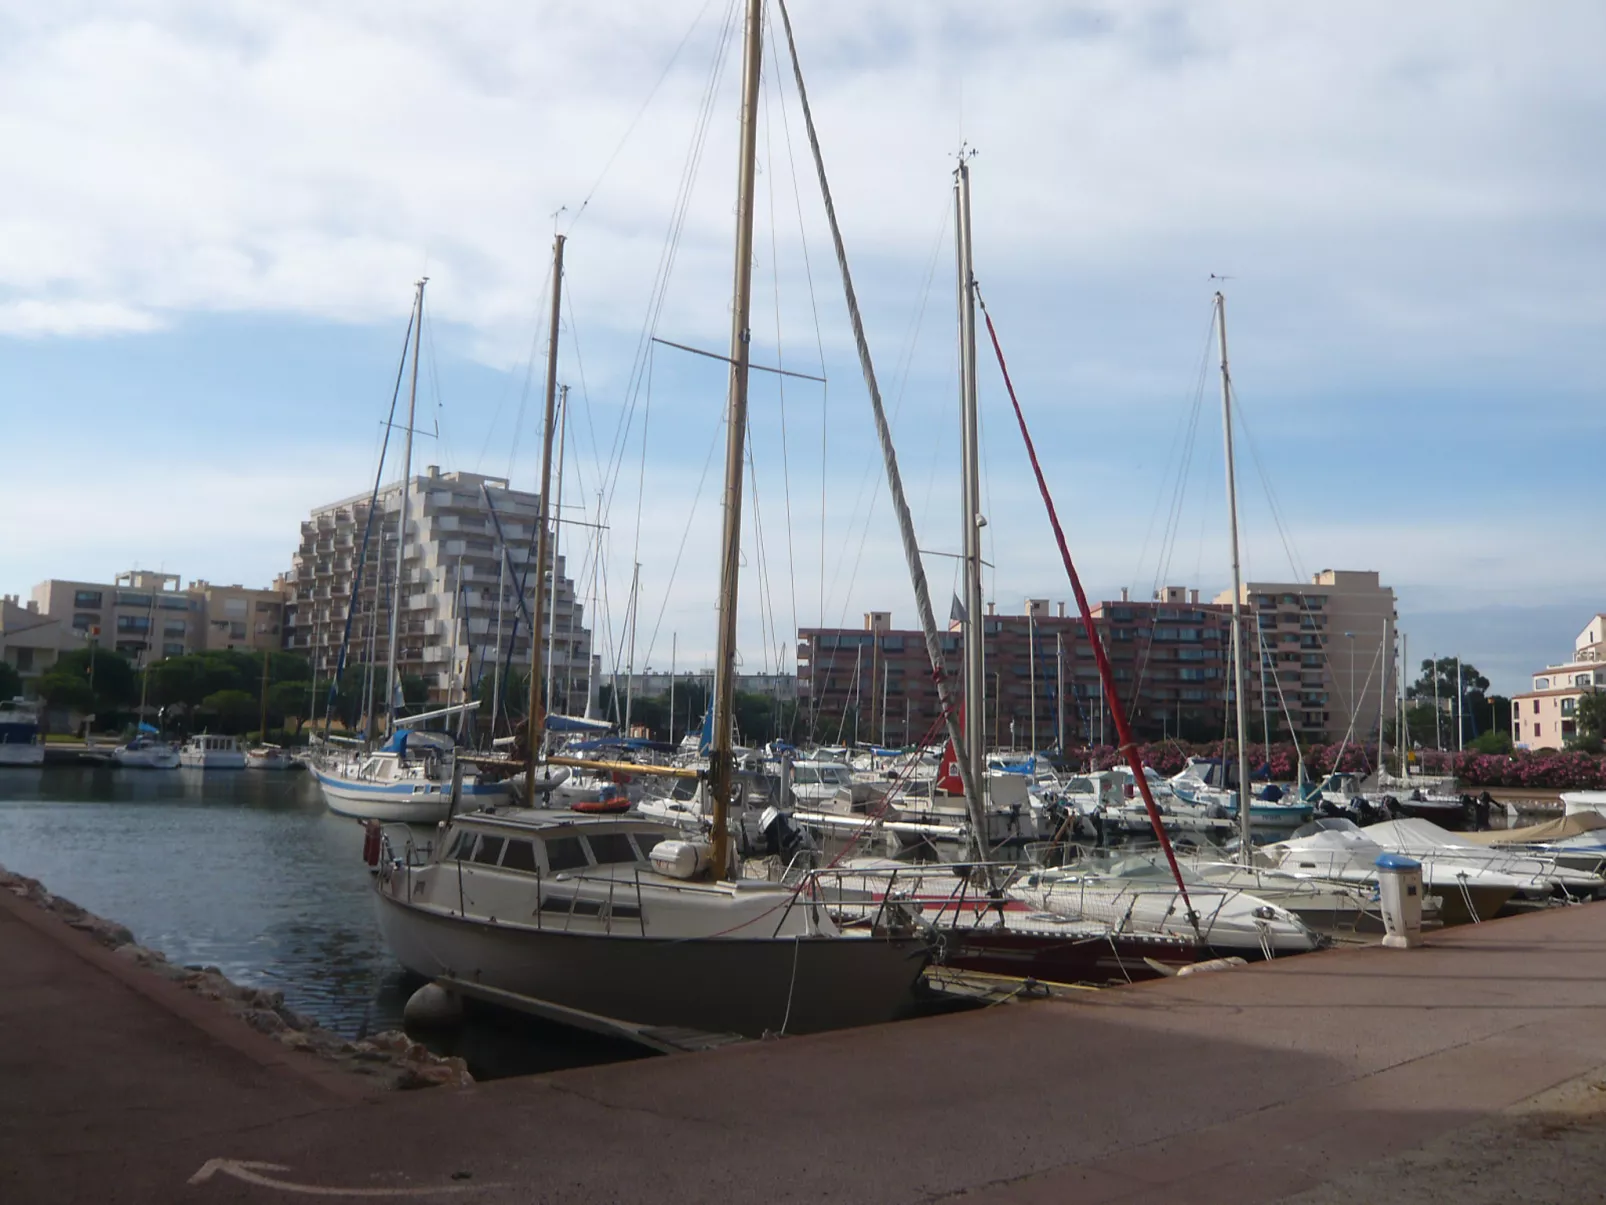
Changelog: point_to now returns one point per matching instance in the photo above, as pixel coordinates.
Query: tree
(286, 699)
(1591, 719)
(115, 681)
(10, 681)
(233, 710)
(1496, 740)
(1443, 672)
(64, 689)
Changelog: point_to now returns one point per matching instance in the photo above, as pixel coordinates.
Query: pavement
(1245, 1086)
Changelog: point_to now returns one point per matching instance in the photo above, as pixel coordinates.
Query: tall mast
(262, 726)
(1385, 659)
(393, 682)
(971, 520)
(1059, 694)
(496, 662)
(1244, 793)
(674, 641)
(630, 656)
(1031, 677)
(720, 759)
(557, 533)
(535, 724)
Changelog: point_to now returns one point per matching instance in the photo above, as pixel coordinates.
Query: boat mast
(1031, 677)
(496, 662)
(393, 679)
(262, 727)
(557, 520)
(536, 715)
(1059, 694)
(630, 655)
(971, 520)
(1244, 793)
(720, 756)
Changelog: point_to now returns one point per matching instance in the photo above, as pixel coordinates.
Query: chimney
(992, 608)
(433, 471)
(1062, 610)
(1126, 594)
(1193, 596)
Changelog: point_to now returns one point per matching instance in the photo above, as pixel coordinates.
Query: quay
(1302, 1076)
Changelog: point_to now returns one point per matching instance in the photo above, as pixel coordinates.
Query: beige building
(469, 550)
(143, 612)
(1326, 650)
(1543, 718)
(30, 642)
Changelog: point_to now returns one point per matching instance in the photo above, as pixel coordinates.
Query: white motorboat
(146, 753)
(1576, 841)
(20, 742)
(209, 752)
(269, 757)
(1539, 872)
(618, 916)
(1337, 849)
(408, 781)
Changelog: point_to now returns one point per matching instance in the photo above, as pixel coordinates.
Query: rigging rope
(1118, 712)
(911, 547)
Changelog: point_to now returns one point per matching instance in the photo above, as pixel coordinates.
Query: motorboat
(623, 917)
(1200, 783)
(1539, 872)
(146, 753)
(209, 752)
(1339, 850)
(20, 741)
(1576, 841)
(269, 757)
(411, 779)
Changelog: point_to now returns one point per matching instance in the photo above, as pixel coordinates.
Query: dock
(1305, 1076)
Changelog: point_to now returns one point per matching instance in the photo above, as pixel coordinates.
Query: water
(249, 872)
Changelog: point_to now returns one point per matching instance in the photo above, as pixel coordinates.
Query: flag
(956, 612)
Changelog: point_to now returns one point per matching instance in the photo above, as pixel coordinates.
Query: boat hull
(212, 760)
(146, 759)
(405, 802)
(22, 755)
(1058, 958)
(749, 986)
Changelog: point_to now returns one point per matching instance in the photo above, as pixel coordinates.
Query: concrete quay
(1330, 1077)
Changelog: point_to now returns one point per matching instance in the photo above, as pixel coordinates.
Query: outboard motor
(783, 838)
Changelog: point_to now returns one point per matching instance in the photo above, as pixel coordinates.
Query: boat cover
(1559, 829)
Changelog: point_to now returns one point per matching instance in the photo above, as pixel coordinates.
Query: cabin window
(490, 850)
(608, 848)
(804, 774)
(565, 853)
(461, 846)
(520, 855)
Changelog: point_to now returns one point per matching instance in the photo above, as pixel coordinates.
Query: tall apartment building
(1326, 649)
(1543, 718)
(144, 613)
(470, 547)
(1171, 657)
(1166, 655)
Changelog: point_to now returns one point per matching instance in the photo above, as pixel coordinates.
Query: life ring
(600, 807)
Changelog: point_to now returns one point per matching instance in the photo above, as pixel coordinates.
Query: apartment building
(876, 683)
(1544, 717)
(29, 641)
(467, 574)
(1326, 650)
(144, 613)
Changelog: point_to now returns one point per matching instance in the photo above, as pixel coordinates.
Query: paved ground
(1302, 1076)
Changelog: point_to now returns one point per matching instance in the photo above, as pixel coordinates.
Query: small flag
(956, 613)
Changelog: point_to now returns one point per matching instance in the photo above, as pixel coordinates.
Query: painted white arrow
(251, 1173)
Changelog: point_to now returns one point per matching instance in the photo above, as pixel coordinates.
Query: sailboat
(624, 917)
(415, 776)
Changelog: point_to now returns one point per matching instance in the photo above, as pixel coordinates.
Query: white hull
(156, 758)
(421, 802)
(212, 759)
(22, 755)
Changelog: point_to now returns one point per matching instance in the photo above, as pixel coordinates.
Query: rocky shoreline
(391, 1058)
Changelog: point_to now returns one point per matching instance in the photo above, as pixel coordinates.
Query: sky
(217, 211)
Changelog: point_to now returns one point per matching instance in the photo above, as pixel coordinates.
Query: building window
(1568, 706)
(236, 631)
(172, 650)
(133, 623)
(174, 604)
(82, 623)
(86, 598)
(127, 598)
(24, 660)
(234, 606)
(1541, 683)
(1536, 726)
(173, 627)
(1536, 710)
(1569, 728)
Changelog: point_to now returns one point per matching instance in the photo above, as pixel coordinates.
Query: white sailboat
(619, 916)
(414, 778)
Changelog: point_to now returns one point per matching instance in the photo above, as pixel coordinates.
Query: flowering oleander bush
(1569, 770)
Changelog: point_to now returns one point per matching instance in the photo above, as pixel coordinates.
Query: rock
(263, 998)
(292, 1018)
(265, 1020)
(369, 1053)
(392, 1040)
(440, 1073)
(294, 1039)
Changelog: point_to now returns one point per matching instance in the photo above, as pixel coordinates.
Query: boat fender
(1214, 964)
(371, 839)
(682, 859)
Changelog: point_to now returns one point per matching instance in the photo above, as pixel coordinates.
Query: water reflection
(249, 872)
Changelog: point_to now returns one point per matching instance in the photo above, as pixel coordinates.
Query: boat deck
(1242, 1086)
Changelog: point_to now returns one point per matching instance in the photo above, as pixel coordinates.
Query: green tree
(1443, 673)
(233, 711)
(287, 699)
(64, 689)
(10, 681)
(1591, 719)
(1496, 740)
(115, 682)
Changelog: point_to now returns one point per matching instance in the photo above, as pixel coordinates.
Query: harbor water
(247, 871)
